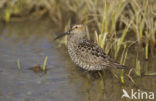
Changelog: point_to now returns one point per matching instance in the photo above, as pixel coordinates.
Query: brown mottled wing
(89, 52)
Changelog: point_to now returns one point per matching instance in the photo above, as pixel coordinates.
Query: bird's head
(79, 28)
(75, 29)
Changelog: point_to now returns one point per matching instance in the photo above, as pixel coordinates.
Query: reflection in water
(31, 42)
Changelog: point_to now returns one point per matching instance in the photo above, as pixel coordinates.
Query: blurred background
(125, 29)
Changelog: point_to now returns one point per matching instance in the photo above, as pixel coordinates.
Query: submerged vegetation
(117, 24)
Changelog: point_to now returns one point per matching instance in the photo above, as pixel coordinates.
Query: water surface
(33, 40)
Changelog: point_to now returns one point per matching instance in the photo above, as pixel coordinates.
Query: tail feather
(118, 66)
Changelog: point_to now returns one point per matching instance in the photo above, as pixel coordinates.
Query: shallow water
(31, 42)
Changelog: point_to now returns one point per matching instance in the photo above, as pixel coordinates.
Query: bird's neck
(75, 39)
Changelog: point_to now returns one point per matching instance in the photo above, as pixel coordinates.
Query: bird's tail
(118, 66)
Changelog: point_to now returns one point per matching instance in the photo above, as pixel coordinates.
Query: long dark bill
(60, 36)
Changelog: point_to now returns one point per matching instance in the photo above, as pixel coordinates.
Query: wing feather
(90, 52)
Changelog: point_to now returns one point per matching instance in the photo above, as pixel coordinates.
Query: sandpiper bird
(85, 53)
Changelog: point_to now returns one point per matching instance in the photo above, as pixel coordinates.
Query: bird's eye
(76, 27)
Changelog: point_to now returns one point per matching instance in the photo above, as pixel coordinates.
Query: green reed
(138, 67)
(45, 64)
(18, 64)
(122, 61)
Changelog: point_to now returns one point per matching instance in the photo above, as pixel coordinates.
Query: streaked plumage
(87, 54)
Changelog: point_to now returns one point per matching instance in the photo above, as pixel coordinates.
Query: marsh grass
(138, 67)
(146, 51)
(102, 80)
(45, 64)
(122, 61)
(114, 23)
(150, 74)
(147, 70)
(18, 64)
